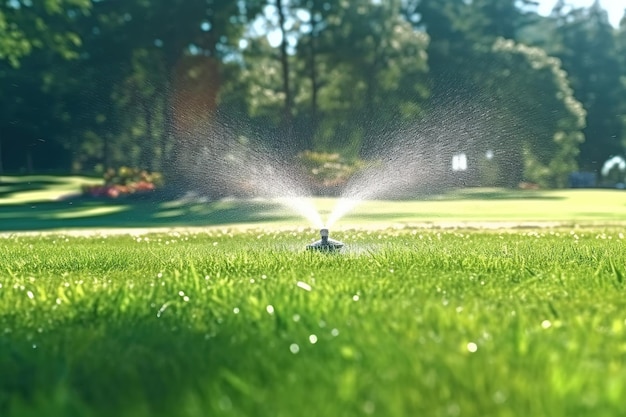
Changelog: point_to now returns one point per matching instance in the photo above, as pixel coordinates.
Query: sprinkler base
(325, 244)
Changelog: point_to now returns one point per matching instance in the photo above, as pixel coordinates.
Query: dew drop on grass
(225, 403)
(296, 317)
(30, 294)
(304, 286)
(185, 298)
(355, 297)
(453, 410)
(236, 310)
(546, 324)
(369, 407)
(472, 347)
(334, 332)
(270, 309)
(313, 339)
(294, 348)
(499, 397)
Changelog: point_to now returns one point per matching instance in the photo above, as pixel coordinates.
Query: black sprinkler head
(325, 243)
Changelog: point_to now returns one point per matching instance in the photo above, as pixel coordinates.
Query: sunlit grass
(53, 202)
(39, 188)
(228, 323)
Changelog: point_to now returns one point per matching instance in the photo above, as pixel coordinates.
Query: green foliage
(28, 25)
(551, 147)
(328, 170)
(224, 323)
(585, 42)
(139, 83)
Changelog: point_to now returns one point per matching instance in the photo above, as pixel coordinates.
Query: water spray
(325, 244)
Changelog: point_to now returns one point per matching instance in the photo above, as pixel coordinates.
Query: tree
(45, 35)
(621, 54)
(373, 73)
(542, 119)
(492, 87)
(26, 26)
(586, 45)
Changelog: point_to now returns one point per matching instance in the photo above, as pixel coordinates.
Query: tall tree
(30, 25)
(586, 45)
(38, 38)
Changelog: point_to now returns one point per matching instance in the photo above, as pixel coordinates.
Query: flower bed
(124, 181)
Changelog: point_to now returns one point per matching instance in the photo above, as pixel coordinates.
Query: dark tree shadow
(83, 212)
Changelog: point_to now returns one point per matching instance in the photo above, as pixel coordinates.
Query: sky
(615, 8)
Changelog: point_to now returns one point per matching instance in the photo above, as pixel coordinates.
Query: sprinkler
(325, 243)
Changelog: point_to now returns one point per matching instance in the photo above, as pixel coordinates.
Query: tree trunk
(313, 77)
(284, 61)
(147, 147)
(1, 165)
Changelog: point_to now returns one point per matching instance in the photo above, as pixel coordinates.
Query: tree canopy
(88, 85)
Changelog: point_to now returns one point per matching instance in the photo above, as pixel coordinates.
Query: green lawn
(408, 322)
(242, 321)
(52, 203)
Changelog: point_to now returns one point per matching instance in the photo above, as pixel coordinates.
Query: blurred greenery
(55, 203)
(90, 85)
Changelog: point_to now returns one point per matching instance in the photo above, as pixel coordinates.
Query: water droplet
(472, 347)
(499, 397)
(369, 407)
(269, 309)
(294, 348)
(236, 310)
(313, 339)
(181, 293)
(546, 324)
(214, 243)
(185, 298)
(34, 346)
(264, 276)
(334, 332)
(30, 294)
(225, 403)
(355, 297)
(304, 286)
(453, 410)
(160, 275)
(296, 317)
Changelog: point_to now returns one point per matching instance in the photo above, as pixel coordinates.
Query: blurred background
(513, 93)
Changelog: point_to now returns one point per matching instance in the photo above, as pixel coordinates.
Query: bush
(124, 181)
(328, 170)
